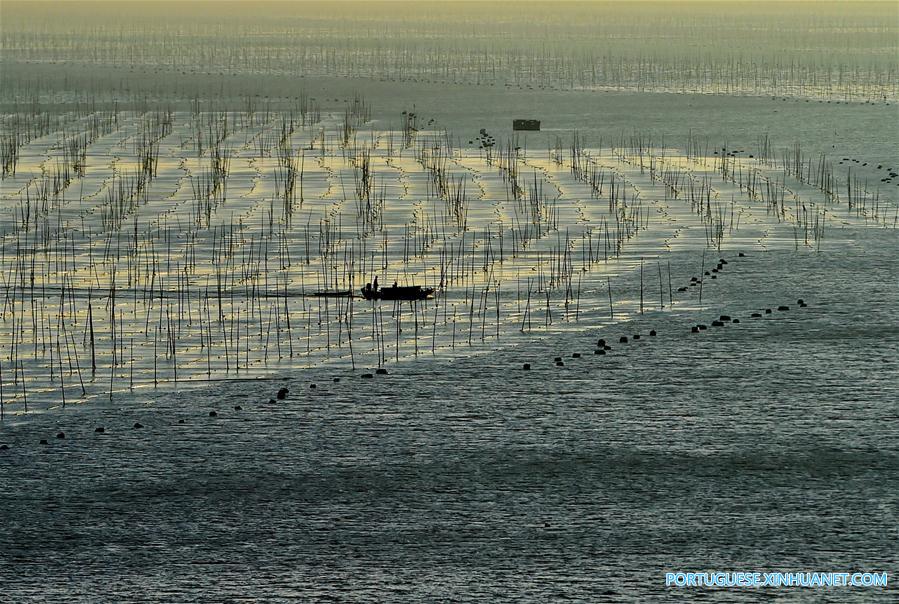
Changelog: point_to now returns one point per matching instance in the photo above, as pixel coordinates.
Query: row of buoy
(601, 348)
(891, 172)
(828, 101)
(713, 273)
(62, 435)
(280, 395)
(102, 429)
(722, 320)
(731, 153)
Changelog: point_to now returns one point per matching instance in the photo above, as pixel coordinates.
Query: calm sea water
(765, 445)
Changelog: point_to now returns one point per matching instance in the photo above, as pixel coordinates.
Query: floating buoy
(526, 366)
(336, 380)
(736, 320)
(767, 311)
(722, 261)
(694, 329)
(60, 435)
(367, 376)
(138, 425)
(599, 351)
(560, 364)
(238, 408)
(756, 315)
(724, 318)
(4, 447)
(313, 386)
(652, 333)
(702, 326)
(622, 340)
(601, 342)
(557, 359)
(44, 441)
(800, 301)
(714, 276)
(783, 307)
(381, 371)
(100, 430)
(742, 255)
(576, 355)
(636, 336)
(717, 323)
(213, 414)
(282, 394)
(180, 421)
(803, 305)
(707, 273)
(271, 400)
(682, 289)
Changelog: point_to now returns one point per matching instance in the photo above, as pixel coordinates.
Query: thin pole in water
(641, 286)
(701, 275)
(661, 289)
(609, 285)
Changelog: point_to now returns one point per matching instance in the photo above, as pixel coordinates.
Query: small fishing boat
(333, 293)
(398, 292)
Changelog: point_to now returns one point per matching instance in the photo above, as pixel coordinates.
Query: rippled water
(765, 445)
(771, 444)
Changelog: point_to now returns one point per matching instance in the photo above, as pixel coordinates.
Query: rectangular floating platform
(525, 124)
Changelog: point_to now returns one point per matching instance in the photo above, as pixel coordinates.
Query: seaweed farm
(456, 301)
(827, 52)
(158, 247)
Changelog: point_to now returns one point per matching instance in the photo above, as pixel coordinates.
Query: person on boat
(394, 284)
(366, 291)
(375, 284)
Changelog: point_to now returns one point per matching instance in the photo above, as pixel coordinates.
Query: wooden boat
(398, 292)
(334, 293)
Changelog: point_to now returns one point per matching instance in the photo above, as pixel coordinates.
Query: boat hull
(412, 292)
